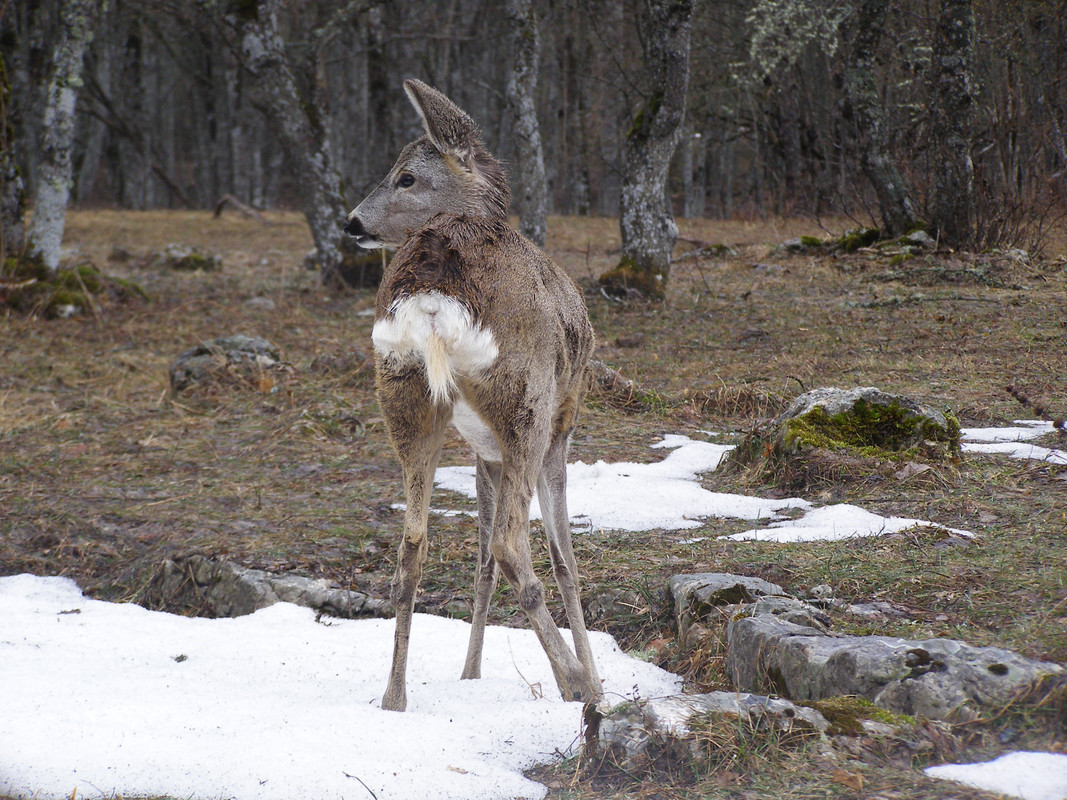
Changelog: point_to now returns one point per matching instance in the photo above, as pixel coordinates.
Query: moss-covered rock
(832, 434)
(29, 287)
(628, 278)
(185, 258)
(851, 241)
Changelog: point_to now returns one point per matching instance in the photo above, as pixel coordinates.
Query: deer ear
(449, 127)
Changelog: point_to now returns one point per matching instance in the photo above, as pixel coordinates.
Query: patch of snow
(1023, 450)
(114, 700)
(1023, 430)
(1031, 776)
(831, 523)
(667, 495)
(1013, 441)
(639, 497)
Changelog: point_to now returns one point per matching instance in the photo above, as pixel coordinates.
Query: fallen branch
(242, 208)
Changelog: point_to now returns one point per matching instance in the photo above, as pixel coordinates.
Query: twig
(365, 786)
(1035, 406)
(246, 210)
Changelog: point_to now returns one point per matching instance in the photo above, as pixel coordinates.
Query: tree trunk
(953, 191)
(525, 44)
(301, 127)
(52, 181)
(645, 219)
(894, 200)
(694, 166)
(12, 191)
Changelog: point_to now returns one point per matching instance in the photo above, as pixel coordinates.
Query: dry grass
(103, 473)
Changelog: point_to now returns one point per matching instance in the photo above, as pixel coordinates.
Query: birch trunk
(52, 180)
(894, 200)
(953, 201)
(525, 45)
(645, 220)
(301, 128)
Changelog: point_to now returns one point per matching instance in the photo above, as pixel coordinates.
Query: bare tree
(12, 190)
(645, 219)
(52, 179)
(865, 106)
(299, 121)
(525, 43)
(953, 189)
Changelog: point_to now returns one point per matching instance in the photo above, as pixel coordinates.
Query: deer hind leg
(417, 431)
(552, 492)
(485, 580)
(511, 548)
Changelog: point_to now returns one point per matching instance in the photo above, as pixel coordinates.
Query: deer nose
(353, 227)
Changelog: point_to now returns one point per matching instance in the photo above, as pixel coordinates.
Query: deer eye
(406, 180)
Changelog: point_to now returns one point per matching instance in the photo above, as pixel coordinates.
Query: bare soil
(104, 472)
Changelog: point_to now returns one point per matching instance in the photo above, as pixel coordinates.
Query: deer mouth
(354, 228)
(369, 242)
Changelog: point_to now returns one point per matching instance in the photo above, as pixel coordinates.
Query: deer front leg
(552, 492)
(485, 579)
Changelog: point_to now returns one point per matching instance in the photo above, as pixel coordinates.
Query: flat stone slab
(224, 589)
(941, 679)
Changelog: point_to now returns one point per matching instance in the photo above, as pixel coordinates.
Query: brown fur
(477, 326)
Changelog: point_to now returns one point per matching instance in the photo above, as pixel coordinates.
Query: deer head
(446, 171)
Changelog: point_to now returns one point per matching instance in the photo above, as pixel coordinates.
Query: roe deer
(478, 327)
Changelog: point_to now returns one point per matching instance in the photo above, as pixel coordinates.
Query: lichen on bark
(645, 220)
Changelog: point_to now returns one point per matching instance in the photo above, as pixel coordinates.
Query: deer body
(477, 327)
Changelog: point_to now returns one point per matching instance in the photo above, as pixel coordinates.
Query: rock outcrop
(224, 589)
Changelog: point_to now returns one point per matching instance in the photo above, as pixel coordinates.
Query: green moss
(628, 275)
(645, 116)
(851, 241)
(899, 258)
(846, 715)
(31, 288)
(811, 241)
(197, 262)
(870, 429)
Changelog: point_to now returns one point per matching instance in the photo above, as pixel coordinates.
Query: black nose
(353, 227)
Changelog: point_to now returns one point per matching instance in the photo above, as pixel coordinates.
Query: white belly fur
(473, 428)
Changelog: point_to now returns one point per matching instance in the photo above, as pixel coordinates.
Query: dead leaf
(852, 780)
(909, 470)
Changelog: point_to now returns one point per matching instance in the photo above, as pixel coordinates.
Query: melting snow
(667, 495)
(1031, 776)
(1013, 441)
(114, 700)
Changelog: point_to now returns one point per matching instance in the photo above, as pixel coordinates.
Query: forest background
(177, 108)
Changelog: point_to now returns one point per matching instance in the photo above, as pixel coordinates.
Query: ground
(104, 472)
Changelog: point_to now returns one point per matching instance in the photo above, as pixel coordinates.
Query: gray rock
(921, 239)
(228, 356)
(635, 733)
(933, 678)
(224, 589)
(703, 597)
(788, 609)
(185, 258)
